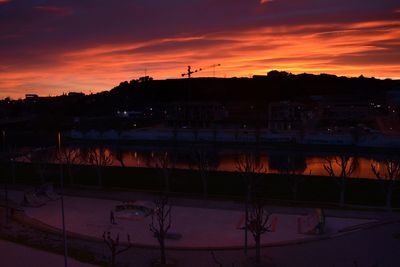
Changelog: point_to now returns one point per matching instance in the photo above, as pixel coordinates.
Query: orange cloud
(368, 48)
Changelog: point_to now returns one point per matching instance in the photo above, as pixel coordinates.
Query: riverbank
(367, 142)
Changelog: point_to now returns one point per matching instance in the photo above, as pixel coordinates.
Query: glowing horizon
(54, 55)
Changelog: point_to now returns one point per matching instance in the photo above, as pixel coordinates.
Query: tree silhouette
(249, 166)
(389, 175)
(161, 223)
(100, 158)
(258, 224)
(164, 163)
(69, 157)
(346, 166)
(113, 245)
(119, 156)
(292, 167)
(204, 163)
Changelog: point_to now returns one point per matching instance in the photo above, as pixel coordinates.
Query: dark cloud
(58, 10)
(42, 35)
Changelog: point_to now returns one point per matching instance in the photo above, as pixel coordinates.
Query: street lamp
(62, 202)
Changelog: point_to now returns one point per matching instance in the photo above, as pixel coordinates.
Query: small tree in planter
(249, 166)
(258, 224)
(114, 246)
(161, 223)
(389, 176)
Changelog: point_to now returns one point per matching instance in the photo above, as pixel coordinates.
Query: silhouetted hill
(275, 86)
(138, 94)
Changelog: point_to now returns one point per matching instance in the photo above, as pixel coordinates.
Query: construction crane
(190, 71)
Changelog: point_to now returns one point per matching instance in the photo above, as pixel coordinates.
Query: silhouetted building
(293, 116)
(76, 94)
(346, 108)
(194, 114)
(31, 96)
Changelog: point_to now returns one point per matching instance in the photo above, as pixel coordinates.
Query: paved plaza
(196, 227)
(351, 237)
(21, 256)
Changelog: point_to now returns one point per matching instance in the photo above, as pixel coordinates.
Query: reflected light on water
(272, 162)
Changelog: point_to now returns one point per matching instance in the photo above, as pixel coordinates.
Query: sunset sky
(51, 47)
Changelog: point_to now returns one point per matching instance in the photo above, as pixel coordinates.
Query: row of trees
(99, 158)
(386, 171)
(341, 167)
(249, 165)
(257, 220)
(204, 162)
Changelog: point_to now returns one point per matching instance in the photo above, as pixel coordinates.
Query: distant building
(76, 94)
(145, 79)
(131, 114)
(346, 108)
(194, 114)
(393, 104)
(246, 115)
(286, 116)
(31, 96)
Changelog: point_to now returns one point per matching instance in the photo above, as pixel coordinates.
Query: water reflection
(220, 159)
(287, 163)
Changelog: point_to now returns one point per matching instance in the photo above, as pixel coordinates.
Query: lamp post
(5, 178)
(3, 134)
(62, 202)
(246, 221)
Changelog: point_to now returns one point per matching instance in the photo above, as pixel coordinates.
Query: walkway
(199, 227)
(14, 255)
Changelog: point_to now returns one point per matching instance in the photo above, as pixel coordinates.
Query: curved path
(373, 244)
(15, 255)
(199, 228)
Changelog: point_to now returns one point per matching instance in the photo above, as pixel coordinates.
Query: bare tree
(249, 166)
(161, 223)
(258, 224)
(164, 163)
(292, 168)
(69, 157)
(113, 245)
(389, 176)
(204, 163)
(119, 155)
(100, 158)
(346, 166)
